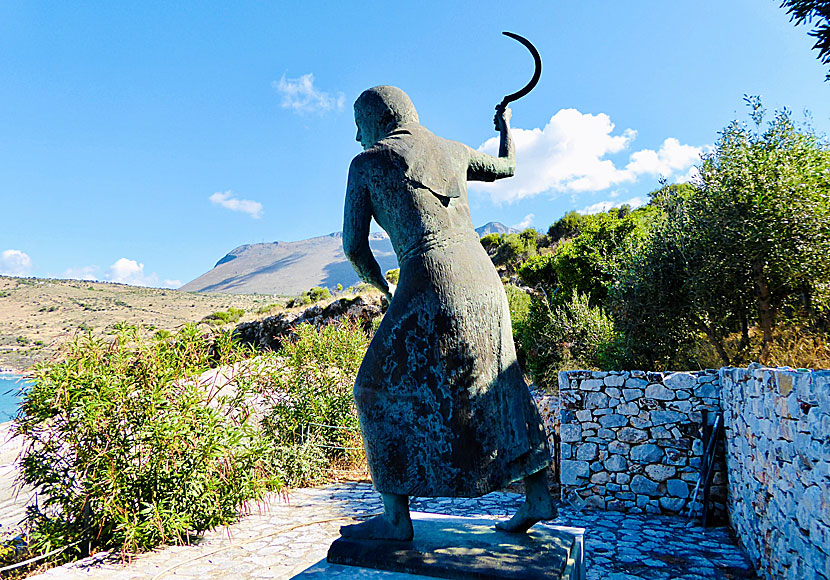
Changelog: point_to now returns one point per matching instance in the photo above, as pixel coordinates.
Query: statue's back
(443, 405)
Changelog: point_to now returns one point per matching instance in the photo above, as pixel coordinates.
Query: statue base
(462, 548)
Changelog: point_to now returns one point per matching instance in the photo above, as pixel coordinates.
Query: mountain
(289, 268)
(495, 228)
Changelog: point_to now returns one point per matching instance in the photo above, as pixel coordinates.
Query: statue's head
(379, 111)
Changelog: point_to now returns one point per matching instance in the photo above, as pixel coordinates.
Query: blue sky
(140, 142)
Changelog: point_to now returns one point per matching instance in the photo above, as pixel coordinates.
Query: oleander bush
(128, 450)
(311, 415)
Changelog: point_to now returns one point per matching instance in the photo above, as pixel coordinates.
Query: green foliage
(392, 276)
(312, 407)
(513, 248)
(491, 241)
(224, 317)
(573, 335)
(567, 226)
(539, 271)
(268, 308)
(587, 263)
(750, 245)
(805, 11)
(128, 450)
(310, 296)
(317, 293)
(519, 303)
(22, 340)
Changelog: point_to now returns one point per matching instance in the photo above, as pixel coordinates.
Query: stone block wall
(631, 441)
(548, 405)
(778, 457)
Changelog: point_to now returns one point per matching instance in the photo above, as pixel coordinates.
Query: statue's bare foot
(380, 528)
(530, 513)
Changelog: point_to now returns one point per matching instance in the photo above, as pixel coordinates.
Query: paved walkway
(13, 500)
(287, 535)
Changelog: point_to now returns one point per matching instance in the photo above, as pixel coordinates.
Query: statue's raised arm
(484, 167)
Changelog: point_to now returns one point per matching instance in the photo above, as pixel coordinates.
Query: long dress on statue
(443, 406)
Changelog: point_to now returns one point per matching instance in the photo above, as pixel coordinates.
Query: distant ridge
(495, 228)
(288, 268)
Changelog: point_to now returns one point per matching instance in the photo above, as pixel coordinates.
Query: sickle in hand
(536, 73)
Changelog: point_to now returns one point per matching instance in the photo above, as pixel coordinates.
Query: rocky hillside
(289, 268)
(38, 315)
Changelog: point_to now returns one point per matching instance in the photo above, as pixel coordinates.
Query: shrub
(315, 294)
(491, 241)
(519, 303)
(392, 276)
(268, 308)
(224, 317)
(312, 407)
(574, 335)
(129, 451)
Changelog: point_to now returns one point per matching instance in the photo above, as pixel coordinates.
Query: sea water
(10, 386)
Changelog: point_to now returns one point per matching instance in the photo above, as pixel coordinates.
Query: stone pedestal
(470, 548)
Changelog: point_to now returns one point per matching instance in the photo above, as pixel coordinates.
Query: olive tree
(748, 245)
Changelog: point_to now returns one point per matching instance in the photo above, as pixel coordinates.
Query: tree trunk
(713, 338)
(744, 343)
(766, 313)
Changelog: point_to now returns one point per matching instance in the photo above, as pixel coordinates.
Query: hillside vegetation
(732, 268)
(38, 315)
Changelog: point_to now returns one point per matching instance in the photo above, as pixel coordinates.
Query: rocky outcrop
(269, 332)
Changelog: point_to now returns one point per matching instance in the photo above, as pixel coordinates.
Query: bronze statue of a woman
(443, 406)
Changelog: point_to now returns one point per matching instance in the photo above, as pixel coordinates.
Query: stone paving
(13, 500)
(289, 534)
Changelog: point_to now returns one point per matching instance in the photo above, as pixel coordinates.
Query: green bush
(491, 241)
(315, 294)
(392, 276)
(312, 407)
(128, 451)
(514, 248)
(224, 317)
(519, 303)
(567, 226)
(573, 335)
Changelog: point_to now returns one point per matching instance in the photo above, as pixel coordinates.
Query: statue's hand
(502, 118)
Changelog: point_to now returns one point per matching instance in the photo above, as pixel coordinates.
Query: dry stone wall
(778, 456)
(631, 441)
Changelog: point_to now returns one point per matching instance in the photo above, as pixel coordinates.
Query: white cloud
(172, 283)
(525, 223)
(82, 273)
(250, 207)
(602, 206)
(569, 155)
(670, 158)
(126, 271)
(301, 96)
(15, 263)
